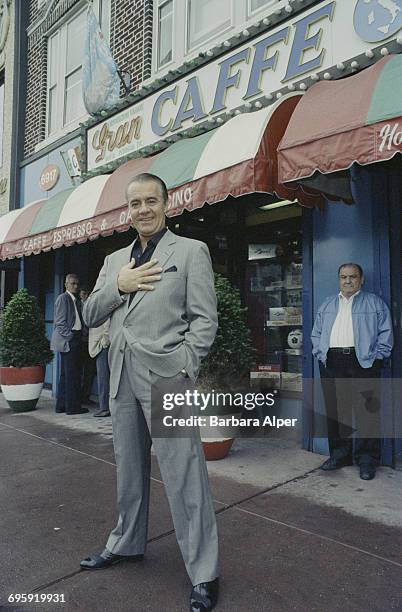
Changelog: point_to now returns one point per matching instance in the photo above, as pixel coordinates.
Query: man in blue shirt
(352, 335)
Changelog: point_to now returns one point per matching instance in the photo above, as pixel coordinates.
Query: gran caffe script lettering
(107, 139)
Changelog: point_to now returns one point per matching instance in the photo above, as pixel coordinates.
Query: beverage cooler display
(274, 301)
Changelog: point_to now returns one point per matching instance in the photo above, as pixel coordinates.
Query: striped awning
(234, 159)
(66, 218)
(337, 123)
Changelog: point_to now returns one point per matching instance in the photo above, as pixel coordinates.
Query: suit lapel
(124, 256)
(163, 252)
(123, 259)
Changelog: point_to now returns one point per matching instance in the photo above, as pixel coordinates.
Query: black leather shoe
(334, 464)
(102, 413)
(367, 471)
(82, 411)
(204, 596)
(106, 559)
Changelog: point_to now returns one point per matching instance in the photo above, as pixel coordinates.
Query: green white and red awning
(234, 159)
(337, 123)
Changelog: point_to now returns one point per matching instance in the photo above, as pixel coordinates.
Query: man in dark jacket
(66, 340)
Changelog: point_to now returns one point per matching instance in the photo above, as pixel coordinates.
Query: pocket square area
(171, 269)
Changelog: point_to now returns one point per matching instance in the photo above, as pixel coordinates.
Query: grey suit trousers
(184, 473)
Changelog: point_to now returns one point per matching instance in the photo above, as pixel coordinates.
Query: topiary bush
(232, 353)
(23, 341)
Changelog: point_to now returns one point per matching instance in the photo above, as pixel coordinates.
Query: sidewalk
(292, 538)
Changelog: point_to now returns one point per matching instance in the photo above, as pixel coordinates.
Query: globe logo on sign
(295, 339)
(376, 20)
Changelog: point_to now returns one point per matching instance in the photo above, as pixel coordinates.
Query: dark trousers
(351, 395)
(88, 368)
(103, 376)
(68, 394)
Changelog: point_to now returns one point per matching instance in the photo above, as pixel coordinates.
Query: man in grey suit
(159, 294)
(66, 340)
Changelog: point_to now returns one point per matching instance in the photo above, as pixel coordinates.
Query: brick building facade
(7, 106)
(130, 31)
(131, 37)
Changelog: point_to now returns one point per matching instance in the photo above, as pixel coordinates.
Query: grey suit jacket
(64, 319)
(98, 339)
(167, 329)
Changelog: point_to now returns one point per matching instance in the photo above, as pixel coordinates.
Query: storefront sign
(262, 251)
(53, 239)
(390, 137)
(49, 177)
(101, 225)
(113, 137)
(72, 161)
(67, 235)
(323, 36)
(376, 20)
(180, 198)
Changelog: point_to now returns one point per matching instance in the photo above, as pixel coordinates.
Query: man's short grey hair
(72, 276)
(144, 177)
(353, 265)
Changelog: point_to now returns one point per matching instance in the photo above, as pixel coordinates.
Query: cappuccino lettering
(179, 197)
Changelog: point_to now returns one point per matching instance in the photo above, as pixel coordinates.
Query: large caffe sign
(327, 35)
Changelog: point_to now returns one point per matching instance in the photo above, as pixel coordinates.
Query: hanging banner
(100, 79)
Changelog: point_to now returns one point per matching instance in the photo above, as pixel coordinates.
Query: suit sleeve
(200, 308)
(105, 340)
(316, 333)
(60, 317)
(385, 338)
(104, 299)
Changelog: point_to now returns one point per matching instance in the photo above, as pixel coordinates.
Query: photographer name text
(227, 421)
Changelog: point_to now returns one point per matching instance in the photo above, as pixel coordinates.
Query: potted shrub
(24, 352)
(228, 363)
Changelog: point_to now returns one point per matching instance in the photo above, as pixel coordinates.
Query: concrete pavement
(292, 537)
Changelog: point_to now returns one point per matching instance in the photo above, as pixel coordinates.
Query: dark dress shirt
(141, 256)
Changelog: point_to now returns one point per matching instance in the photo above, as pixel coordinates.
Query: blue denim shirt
(372, 328)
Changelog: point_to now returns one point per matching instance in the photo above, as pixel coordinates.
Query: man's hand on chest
(131, 278)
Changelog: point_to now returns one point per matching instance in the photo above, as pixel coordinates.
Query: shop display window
(260, 252)
(274, 301)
